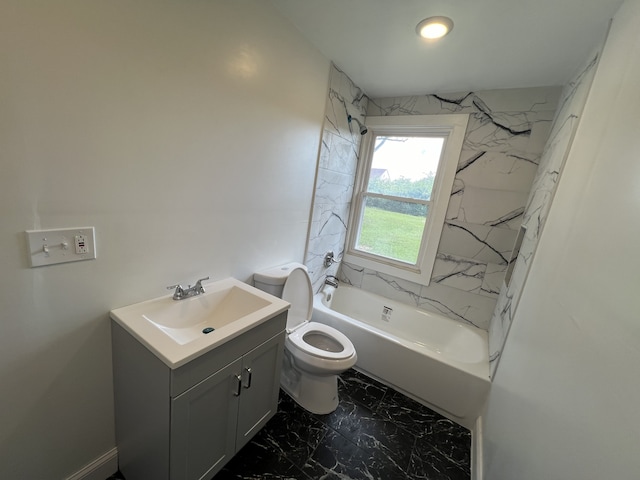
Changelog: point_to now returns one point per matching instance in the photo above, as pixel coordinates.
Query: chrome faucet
(182, 293)
(331, 280)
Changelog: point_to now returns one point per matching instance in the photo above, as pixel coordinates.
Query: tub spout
(331, 280)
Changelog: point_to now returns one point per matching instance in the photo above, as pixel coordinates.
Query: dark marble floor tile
(347, 418)
(372, 432)
(409, 414)
(337, 458)
(361, 388)
(429, 464)
(382, 467)
(451, 440)
(259, 460)
(387, 441)
(295, 434)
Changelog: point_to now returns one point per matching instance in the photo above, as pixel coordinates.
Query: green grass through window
(391, 234)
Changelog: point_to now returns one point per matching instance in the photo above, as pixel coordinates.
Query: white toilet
(314, 353)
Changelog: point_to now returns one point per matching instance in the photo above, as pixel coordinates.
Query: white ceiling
(494, 43)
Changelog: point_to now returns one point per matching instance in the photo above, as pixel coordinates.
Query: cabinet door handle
(238, 386)
(249, 372)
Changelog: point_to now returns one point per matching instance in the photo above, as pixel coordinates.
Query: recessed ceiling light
(434, 27)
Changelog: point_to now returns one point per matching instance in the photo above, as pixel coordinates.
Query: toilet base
(315, 393)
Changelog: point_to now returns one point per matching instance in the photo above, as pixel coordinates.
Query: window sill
(412, 274)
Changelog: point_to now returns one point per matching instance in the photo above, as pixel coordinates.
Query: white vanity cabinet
(187, 423)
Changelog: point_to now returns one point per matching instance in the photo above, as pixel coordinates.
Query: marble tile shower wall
(504, 141)
(337, 164)
(570, 107)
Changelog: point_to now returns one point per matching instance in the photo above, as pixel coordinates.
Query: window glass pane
(404, 166)
(392, 229)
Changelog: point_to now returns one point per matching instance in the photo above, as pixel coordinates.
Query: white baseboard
(477, 472)
(101, 468)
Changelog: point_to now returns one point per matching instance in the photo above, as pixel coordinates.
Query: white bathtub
(436, 360)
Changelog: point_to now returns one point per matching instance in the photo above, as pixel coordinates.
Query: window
(402, 191)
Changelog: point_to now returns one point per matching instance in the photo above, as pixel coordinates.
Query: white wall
(565, 123)
(187, 133)
(564, 403)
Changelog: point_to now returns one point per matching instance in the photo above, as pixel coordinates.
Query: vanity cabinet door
(260, 388)
(203, 425)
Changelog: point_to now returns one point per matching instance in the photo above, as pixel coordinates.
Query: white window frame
(453, 128)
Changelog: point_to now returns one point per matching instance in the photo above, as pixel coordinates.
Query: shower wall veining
(507, 132)
(337, 164)
(564, 125)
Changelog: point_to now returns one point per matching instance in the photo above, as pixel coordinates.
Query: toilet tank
(272, 279)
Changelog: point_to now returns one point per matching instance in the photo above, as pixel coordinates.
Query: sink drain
(208, 330)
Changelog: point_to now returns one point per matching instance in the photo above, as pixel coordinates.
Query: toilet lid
(297, 339)
(297, 291)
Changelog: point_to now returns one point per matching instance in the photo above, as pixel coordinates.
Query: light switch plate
(61, 245)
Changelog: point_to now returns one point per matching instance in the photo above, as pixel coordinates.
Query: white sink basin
(185, 320)
(179, 330)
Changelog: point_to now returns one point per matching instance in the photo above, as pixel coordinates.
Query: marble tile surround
(566, 120)
(337, 164)
(511, 161)
(505, 138)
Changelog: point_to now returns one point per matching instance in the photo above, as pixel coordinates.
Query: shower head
(363, 128)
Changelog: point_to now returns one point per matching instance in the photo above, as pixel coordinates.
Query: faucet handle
(179, 292)
(198, 286)
(329, 259)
